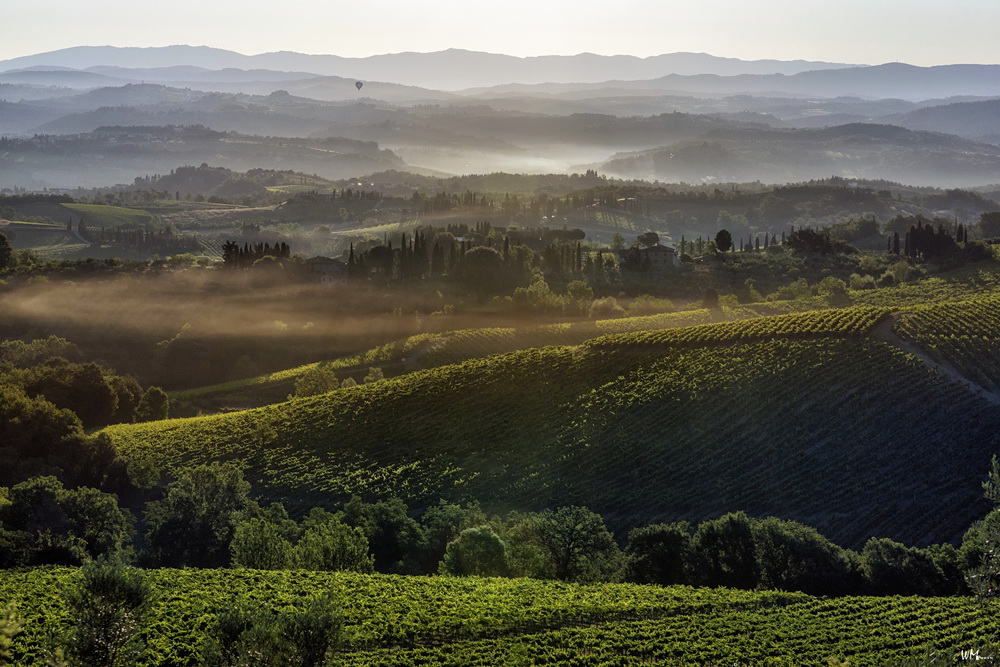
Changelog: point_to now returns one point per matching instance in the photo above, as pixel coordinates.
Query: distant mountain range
(892, 80)
(453, 69)
(447, 75)
(741, 121)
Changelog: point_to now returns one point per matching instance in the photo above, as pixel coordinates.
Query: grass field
(47, 239)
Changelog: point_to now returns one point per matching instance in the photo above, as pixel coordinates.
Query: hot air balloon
(358, 85)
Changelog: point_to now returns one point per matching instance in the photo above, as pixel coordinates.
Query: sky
(919, 32)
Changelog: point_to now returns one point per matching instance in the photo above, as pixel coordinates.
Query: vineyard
(211, 246)
(424, 351)
(609, 218)
(849, 420)
(841, 322)
(394, 620)
(799, 416)
(39, 236)
(969, 282)
(965, 335)
(394, 352)
(96, 215)
(462, 345)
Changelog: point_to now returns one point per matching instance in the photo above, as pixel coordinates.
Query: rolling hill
(979, 121)
(116, 153)
(889, 80)
(810, 417)
(855, 150)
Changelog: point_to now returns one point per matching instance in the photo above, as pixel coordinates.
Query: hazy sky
(921, 32)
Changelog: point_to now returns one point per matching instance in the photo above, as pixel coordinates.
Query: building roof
(654, 248)
(318, 260)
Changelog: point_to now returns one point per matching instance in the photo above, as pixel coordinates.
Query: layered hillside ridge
(803, 416)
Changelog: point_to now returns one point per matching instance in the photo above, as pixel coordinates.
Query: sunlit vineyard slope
(802, 416)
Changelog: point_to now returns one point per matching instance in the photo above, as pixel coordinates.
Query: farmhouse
(656, 257)
(327, 270)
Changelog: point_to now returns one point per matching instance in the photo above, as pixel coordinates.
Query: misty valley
(457, 358)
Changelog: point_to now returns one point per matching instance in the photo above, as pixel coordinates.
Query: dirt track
(884, 332)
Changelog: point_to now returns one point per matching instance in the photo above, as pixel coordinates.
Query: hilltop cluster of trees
(441, 201)
(164, 241)
(817, 242)
(485, 263)
(234, 256)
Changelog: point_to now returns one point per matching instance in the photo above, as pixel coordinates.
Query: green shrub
(107, 608)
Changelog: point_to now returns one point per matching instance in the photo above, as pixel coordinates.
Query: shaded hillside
(979, 121)
(798, 418)
(227, 117)
(851, 151)
(117, 153)
(739, 138)
(430, 350)
(233, 185)
(309, 110)
(115, 96)
(891, 80)
(17, 118)
(67, 78)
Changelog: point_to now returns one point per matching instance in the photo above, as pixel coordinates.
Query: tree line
(206, 518)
